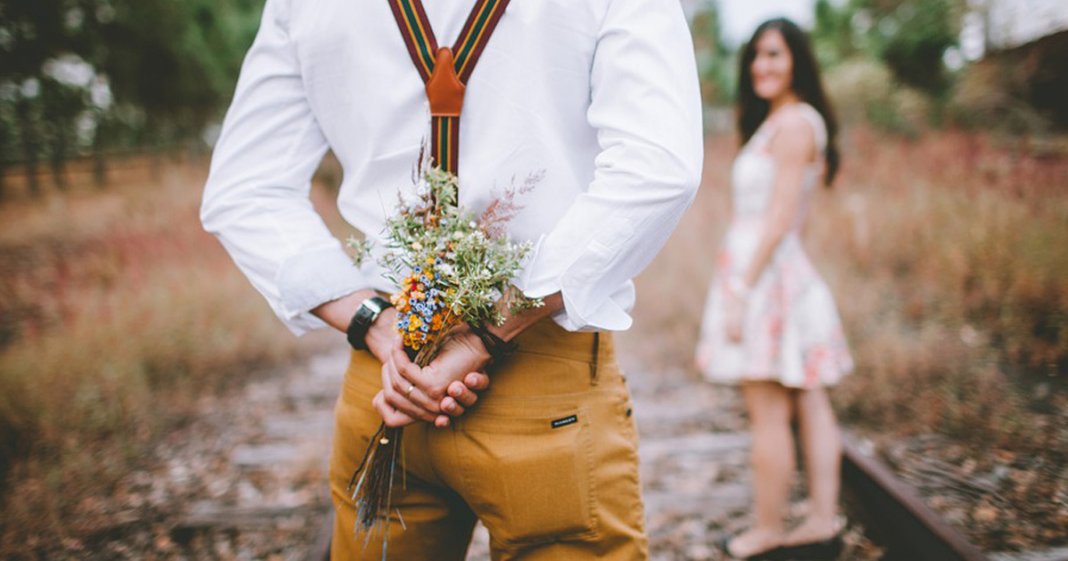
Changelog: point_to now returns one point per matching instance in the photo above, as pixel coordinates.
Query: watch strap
(362, 320)
(498, 348)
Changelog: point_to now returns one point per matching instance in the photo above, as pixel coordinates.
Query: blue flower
(417, 270)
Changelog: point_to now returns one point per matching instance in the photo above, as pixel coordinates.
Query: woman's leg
(769, 406)
(822, 448)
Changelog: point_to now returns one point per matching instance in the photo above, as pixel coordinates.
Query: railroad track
(892, 513)
(895, 517)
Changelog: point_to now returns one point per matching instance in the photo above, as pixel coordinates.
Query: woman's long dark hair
(805, 82)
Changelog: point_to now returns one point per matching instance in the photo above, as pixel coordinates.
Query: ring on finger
(409, 391)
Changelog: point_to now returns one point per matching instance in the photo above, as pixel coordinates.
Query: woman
(770, 322)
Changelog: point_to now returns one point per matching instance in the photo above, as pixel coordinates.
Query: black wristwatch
(361, 322)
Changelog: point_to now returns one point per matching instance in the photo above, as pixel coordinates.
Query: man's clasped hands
(435, 393)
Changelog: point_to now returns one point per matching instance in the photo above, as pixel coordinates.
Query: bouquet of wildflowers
(452, 267)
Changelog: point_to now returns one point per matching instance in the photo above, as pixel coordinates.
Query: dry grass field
(117, 312)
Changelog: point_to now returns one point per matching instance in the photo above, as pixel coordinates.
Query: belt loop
(596, 358)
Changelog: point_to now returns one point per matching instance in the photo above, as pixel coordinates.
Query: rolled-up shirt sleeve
(256, 200)
(646, 108)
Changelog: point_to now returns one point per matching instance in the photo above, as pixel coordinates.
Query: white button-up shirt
(600, 95)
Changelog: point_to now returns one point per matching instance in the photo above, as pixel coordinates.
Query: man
(599, 95)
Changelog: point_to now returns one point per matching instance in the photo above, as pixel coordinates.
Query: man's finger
(399, 401)
(409, 390)
(452, 407)
(418, 377)
(461, 394)
(442, 421)
(477, 381)
(391, 417)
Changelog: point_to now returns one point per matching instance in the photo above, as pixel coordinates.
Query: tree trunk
(5, 134)
(100, 168)
(59, 158)
(100, 163)
(29, 148)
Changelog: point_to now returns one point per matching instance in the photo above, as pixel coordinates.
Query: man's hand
(382, 337)
(446, 386)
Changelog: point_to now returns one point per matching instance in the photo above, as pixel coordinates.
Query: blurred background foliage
(899, 65)
(92, 77)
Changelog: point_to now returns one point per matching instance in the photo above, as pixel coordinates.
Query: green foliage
(913, 35)
(715, 61)
(834, 38)
(909, 36)
(883, 59)
(177, 61)
(144, 72)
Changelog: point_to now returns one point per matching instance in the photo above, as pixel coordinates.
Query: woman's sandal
(823, 550)
(724, 545)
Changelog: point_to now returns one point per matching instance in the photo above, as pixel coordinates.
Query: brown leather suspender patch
(444, 70)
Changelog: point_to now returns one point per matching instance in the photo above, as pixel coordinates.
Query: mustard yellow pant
(547, 460)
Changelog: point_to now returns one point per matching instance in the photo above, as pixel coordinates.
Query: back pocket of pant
(529, 479)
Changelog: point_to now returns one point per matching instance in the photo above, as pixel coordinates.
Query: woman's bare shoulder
(794, 135)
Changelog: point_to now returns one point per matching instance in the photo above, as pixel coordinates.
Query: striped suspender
(445, 71)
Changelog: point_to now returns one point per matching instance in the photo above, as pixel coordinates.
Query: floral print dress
(792, 333)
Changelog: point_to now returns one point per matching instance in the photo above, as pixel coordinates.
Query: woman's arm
(792, 148)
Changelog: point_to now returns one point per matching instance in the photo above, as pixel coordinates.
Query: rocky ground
(247, 480)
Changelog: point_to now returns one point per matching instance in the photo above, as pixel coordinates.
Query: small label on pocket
(569, 420)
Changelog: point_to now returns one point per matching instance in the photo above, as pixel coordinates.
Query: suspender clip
(444, 89)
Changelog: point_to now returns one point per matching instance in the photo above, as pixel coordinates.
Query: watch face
(374, 304)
